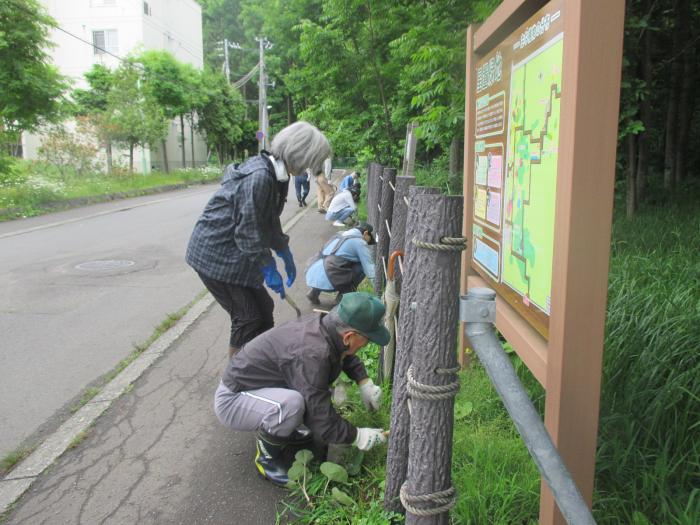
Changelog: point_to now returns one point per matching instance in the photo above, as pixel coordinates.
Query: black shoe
(270, 459)
(313, 295)
(303, 202)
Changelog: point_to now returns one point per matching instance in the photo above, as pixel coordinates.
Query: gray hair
(301, 146)
(341, 327)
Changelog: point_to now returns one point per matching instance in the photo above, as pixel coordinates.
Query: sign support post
(538, 186)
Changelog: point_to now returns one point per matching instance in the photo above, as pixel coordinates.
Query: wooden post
(384, 228)
(374, 192)
(398, 220)
(397, 456)
(436, 303)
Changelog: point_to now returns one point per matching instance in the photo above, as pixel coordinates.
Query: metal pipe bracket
(474, 309)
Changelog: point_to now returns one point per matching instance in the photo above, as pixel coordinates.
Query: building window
(100, 3)
(146, 8)
(105, 41)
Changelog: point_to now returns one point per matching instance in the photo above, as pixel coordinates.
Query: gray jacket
(302, 355)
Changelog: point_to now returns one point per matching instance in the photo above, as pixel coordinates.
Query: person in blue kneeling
(342, 264)
(349, 181)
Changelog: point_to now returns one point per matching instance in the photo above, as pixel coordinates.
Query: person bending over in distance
(230, 245)
(343, 206)
(278, 384)
(342, 264)
(349, 180)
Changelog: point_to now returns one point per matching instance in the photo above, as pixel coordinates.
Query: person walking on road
(230, 245)
(324, 189)
(281, 380)
(302, 186)
(343, 262)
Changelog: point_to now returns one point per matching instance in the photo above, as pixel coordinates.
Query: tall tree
(92, 103)
(136, 117)
(31, 90)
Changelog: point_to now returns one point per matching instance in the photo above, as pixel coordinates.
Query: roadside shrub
(70, 150)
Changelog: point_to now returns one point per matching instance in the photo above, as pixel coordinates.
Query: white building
(123, 27)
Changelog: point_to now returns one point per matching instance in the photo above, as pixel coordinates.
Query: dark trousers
(302, 186)
(250, 309)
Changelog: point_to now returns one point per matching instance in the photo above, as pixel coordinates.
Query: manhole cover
(100, 266)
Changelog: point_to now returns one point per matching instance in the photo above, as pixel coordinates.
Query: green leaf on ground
(334, 472)
(341, 497)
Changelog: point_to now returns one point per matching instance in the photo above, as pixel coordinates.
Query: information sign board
(516, 147)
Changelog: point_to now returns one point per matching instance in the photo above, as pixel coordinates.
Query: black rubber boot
(270, 458)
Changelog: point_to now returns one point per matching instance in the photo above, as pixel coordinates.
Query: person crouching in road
(282, 378)
(343, 262)
(344, 205)
(230, 245)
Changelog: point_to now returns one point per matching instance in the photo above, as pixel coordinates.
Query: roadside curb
(23, 475)
(14, 484)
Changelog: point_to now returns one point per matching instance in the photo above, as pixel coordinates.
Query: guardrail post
(432, 385)
(397, 458)
(384, 228)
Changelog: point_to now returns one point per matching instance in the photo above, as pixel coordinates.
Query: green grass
(34, 187)
(9, 460)
(648, 462)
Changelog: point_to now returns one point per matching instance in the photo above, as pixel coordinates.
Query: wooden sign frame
(566, 360)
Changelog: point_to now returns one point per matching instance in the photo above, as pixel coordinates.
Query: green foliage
(36, 187)
(30, 88)
(220, 114)
(649, 446)
(135, 116)
(334, 472)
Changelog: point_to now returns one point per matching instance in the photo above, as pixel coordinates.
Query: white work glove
(371, 395)
(369, 437)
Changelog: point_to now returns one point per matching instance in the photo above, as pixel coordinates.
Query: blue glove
(273, 279)
(289, 265)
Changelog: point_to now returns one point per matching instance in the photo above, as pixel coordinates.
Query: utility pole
(227, 68)
(263, 142)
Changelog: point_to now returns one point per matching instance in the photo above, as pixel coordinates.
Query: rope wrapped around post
(444, 501)
(432, 392)
(447, 244)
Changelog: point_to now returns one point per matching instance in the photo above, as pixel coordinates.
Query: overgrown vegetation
(33, 188)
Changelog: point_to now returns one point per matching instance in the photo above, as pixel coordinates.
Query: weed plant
(648, 465)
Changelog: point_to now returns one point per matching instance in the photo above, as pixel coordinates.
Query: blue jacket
(348, 181)
(354, 249)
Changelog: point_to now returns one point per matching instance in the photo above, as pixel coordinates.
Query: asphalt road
(79, 290)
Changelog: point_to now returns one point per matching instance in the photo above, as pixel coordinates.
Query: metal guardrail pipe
(478, 311)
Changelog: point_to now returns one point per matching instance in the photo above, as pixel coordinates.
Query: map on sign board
(516, 140)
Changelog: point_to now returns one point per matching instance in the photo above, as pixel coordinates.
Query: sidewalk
(158, 455)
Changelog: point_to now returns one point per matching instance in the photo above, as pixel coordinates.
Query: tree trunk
(397, 451)
(165, 156)
(685, 115)
(436, 320)
(453, 180)
(108, 155)
(131, 158)
(182, 141)
(631, 175)
(674, 88)
(378, 76)
(289, 109)
(192, 137)
(645, 115)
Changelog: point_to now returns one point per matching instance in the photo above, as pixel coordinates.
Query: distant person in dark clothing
(230, 245)
(302, 186)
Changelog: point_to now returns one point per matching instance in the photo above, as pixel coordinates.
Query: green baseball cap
(364, 312)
